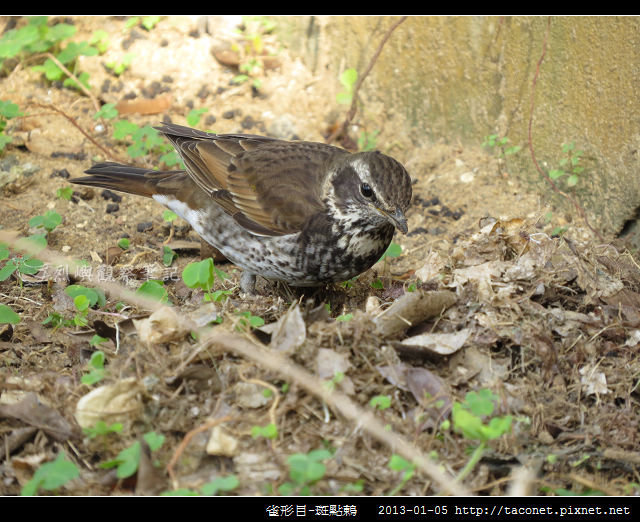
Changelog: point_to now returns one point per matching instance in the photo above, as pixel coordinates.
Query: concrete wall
(461, 78)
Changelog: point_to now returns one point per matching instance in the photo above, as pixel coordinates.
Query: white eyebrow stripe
(363, 170)
(364, 173)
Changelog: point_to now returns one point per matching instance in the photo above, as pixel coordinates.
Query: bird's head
(370, 189)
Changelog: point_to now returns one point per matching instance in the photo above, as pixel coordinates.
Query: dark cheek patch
(345, 183)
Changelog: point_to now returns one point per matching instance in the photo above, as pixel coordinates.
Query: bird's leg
(248, 282)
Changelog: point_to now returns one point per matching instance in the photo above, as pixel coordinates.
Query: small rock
(203, 92)
(107, 194)
(62, 173)
(283, 127)
(144, 226)
(220, 443)
(112, 207)
(247, 123)
(249, 395)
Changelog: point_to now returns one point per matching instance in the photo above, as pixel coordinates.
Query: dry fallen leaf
(440, 343)
(162, 326)
(33, 412)
(431, 268)
(594, 382)
(290, 331)
(117, 402)
(330, 363)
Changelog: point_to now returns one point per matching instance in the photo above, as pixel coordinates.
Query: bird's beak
(397, 218)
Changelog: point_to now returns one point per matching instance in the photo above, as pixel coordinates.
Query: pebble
(107, 194)
(144, 226)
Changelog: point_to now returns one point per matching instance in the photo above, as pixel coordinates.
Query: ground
(548, 324)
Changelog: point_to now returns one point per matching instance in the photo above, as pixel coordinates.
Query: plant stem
(471, 463)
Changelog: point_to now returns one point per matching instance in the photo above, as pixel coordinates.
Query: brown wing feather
(269, 186)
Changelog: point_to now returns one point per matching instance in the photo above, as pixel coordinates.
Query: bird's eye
(366, 190)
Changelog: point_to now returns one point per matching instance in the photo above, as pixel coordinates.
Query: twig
(354, 106)
(75, 124)
(533, 155)
(187, 438)
(96, 104)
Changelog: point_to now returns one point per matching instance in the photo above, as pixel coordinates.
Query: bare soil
(549, 324)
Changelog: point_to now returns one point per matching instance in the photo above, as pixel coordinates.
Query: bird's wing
(270, 186)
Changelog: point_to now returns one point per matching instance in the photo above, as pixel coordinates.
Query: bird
(301, 212)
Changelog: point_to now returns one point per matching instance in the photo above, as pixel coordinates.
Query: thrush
(301, 212)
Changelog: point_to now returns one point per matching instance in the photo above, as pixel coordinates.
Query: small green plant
(270, 431)
(56, 320)
(38, 37)
(97, 371)
(304, 471)
(168, 256)
(7, 315)
(154, 290)
(51, 476)
(349, 283)
(569, 165)
(468, 418)
(220, 484)
(169, 216)
(147, 22)
(345, 317)
(95, 296)
(145, 140)
(128, 459)
(332, 383)
(393, 250)
(100, 40)
(495, 141)
(368, 140)
(248, 320)
(97, 340)
(348, 80)
(252, 31)
(8, 110)
(118, 68)
(202, 274)
(65, 193)
(217, 485)
(102, 429)
(34, 37)
(194, 116)
(377, 284)
(83, 299)
(49, 221)
(247, 70)
(397, 463)
(21, 263)
(380, 402)
(124, 243)
(108, 111)
(557, 230)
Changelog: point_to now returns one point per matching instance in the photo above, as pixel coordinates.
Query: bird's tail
(125, 178)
